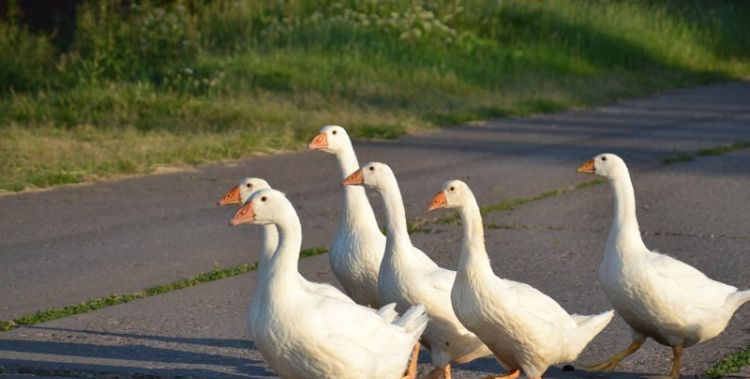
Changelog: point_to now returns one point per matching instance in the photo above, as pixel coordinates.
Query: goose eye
(249, 185)
(372, 168)
(263, 198)
(333, 132)
(604, 158)
(452, 188)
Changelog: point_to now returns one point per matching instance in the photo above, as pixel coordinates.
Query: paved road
(72, 244)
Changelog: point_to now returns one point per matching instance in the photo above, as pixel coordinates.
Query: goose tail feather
(414, 321)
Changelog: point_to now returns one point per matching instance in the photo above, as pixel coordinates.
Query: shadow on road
(163, 360)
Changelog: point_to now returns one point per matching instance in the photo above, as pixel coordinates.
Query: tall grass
(154, 83)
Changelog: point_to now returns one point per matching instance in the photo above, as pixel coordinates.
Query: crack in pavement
(658, 233)
(115, 299)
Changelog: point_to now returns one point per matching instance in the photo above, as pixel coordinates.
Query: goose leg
(411, 370)
(438, 372)
(675, 373)
(611, 363)
(511, 375)
(676, 363)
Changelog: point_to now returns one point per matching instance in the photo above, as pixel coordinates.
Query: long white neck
(474, 260)
(356, 208)
(398, 244)
(625, 236)
(347, 160)
(268, 247)
(283, 273)
(270, 240)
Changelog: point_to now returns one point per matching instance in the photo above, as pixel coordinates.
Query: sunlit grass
(730, 364)
(232, 79)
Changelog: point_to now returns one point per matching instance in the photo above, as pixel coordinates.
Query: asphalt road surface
(76, 243)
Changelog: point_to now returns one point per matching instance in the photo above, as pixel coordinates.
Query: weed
(313, 252)
(723, 149)
(730, 364)
(709, 151)
(677, 158)
(419, 225)
(216, 274)
(496, 226)
(590, 183)
(454, 218)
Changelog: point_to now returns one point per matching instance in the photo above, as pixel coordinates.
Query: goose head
(242, 191)
(454, 194)
(264, 207)
(331, 139)
(606, 165)
(375, 175)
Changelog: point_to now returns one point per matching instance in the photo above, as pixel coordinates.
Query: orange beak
(355, 179)
(319, 142)
(232, 197)
(244, 215)
(587, 167)
(438, 201)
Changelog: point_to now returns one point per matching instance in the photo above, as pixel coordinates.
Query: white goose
(303, 334)
(357, 248)
(526, 330)
(407, 277)
(657, 295)
(239, 195)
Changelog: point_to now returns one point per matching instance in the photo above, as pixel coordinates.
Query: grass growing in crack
(677, 158)
(454, 218)
(418, 225)
(709, 151)
(313, 252)
(730, 364)
(589, 183)
(205, 277)
(506, 205)
(114, 299)
(723, 149)
(495, 226)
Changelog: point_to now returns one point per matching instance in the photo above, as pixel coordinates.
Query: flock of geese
(396, 298)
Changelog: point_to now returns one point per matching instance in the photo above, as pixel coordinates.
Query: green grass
(311, 252)
(730, 364)
(496, 226)
(420, 225)
(186, 83)
(677, 158)
(115, 299)
(723, 149)
(510, 204)
(706, 152)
